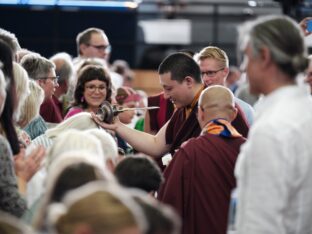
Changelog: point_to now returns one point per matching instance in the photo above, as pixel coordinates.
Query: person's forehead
(99, 39)
(165, 79)
(51, 72)
(96, 82)
(209, 62)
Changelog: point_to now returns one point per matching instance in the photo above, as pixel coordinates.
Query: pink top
(73, 111)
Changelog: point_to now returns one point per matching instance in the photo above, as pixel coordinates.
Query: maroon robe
(50, 112)
(180, 129)
(199, 180)
(159, 117)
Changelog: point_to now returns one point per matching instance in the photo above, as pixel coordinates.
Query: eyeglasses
(211, 73)
(106, 48)
(54, 79)
(93, 88)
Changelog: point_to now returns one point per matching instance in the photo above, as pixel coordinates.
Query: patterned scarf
(220, 127)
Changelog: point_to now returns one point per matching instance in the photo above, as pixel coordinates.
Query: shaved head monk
(199, 179)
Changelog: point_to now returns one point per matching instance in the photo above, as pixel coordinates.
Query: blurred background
(141, 32)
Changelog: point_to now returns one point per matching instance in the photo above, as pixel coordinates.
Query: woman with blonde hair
(30, 119)
(22, 91)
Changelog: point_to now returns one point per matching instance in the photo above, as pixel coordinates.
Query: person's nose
(206, 79)
(166, 95)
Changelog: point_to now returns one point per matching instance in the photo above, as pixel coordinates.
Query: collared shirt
(274, 168)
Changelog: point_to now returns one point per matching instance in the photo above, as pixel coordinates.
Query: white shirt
(247, 110)
(274, 168)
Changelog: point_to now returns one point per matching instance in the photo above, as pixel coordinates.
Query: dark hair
(6, 118)
(180, 65)
(72, 177)
(88, 73)
(161, 218)
(139, 172)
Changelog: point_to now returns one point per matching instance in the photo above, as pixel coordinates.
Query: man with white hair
(274, 168)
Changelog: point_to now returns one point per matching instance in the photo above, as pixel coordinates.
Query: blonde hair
(213, 52)
(31, 107)
(22, 87)
(105, 207)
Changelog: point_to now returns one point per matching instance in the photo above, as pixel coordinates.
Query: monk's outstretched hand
(113, 126)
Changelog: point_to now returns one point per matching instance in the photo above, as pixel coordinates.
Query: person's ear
(82, 48)
(110, 165)
(234, 114)
(226, 71)
(41, 82)
(265, 56)
(200, 114)
(189, 81)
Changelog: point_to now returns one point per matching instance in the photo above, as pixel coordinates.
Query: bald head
(216, 102)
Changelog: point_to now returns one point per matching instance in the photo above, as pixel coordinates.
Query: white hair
(282, 36)
(78, 141)
(80, 121)
(2, 91)
(22, 87)
(109, 145)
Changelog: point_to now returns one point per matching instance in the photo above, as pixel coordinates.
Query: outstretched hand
(26, 167)
(303, 24)
(113, 126)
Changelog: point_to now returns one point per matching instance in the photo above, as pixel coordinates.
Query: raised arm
(154, 146)
(303, 24)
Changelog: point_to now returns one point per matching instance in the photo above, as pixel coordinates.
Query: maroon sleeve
(153, 101)
(174, 191)
(50, 112)
(240, 122)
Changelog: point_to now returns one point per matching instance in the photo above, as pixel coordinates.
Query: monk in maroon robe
(200, 177)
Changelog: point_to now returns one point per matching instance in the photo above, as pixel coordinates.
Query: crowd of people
(227, 151)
